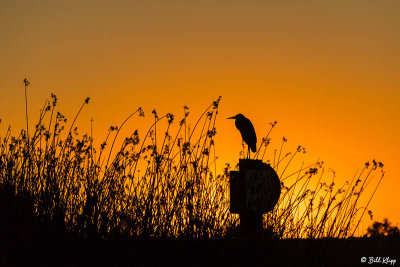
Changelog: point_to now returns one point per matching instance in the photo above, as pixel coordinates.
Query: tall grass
(163, 185)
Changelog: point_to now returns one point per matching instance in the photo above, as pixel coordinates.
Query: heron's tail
(253, 148)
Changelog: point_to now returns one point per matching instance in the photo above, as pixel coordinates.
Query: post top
(249, 163)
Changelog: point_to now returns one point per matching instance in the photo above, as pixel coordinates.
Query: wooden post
(251, 223)
(254, 190)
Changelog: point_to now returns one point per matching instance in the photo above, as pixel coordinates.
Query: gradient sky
(327, 71)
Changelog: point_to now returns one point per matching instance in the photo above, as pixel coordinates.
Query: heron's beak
(234, 117)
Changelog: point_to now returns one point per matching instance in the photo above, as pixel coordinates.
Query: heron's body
(247, 131)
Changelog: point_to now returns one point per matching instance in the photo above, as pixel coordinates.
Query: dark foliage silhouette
(384, 228)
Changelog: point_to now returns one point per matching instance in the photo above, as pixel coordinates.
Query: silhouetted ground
(45, 248)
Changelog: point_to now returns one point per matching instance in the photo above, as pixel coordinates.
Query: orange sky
(327, 71)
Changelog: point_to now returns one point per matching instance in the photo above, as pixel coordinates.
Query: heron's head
(237, 116)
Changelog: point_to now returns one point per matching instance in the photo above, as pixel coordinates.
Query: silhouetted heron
(247, 131)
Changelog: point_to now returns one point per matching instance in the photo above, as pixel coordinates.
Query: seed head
(141, 113)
